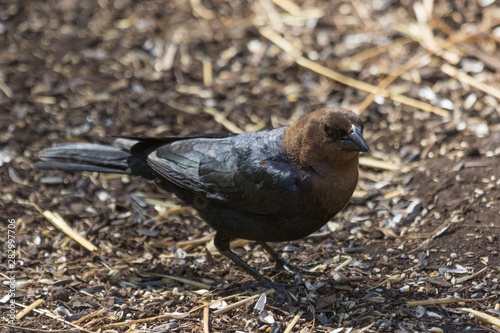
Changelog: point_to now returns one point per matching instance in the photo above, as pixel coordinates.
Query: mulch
(417, 250)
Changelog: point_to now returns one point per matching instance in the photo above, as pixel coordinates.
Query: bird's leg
(288, 267)
(222, 244)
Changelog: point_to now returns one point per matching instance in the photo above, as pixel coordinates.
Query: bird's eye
(327, 129)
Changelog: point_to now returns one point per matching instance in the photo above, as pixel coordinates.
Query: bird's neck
(292, 145)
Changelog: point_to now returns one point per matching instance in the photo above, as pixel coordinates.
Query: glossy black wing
(248, 172)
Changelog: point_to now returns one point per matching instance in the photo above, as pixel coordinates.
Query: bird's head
(325, 136)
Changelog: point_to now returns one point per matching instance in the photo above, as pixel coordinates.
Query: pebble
(103, 195)
(51, 180)
(472, 65)
(420, 311)
(470, 101)
(6, 155)
(404, 289)
(481, 130)
(446, 104)
(427, 93)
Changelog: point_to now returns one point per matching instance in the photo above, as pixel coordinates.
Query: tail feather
(85, 157)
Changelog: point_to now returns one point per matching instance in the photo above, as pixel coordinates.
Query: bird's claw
(292, 269)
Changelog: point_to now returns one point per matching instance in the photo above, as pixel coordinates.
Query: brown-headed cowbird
(268, 186)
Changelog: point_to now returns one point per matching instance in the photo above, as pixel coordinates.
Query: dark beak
(353, 141)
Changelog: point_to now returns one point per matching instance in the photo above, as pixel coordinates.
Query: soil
(423, 226)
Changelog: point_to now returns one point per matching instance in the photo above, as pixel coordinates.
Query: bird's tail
(86, 157)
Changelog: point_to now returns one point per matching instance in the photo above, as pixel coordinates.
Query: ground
(423, 224)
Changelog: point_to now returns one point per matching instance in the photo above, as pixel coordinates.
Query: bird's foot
(288, 267)
(279, 288)
(292, 269)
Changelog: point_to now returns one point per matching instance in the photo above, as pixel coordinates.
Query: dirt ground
(423, 224)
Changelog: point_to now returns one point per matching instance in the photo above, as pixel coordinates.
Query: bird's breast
(332, 191)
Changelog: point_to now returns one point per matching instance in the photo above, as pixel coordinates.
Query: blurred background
(423, 76)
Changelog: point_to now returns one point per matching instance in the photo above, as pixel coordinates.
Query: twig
(392, 194)
(90, 315)
(218, 116)
(363, 14)
(201, 10)
(469, 277)
(20, 328)
(293, 322)
(138, 321)
(359, 194)
(347, 261)
(189, 109)
(189, 244)
(27, 309)
(207, 71)
(62, 225)
(467, 79)
(242, 302)
(377, 164)
(291, 19)
(488, 59)
(458, 37)
(347, 63)
(450, 43)
(179, 279)
(366, 328)
(447, 300)
(48, 314)
(221, 119)
(206, 322)
(425, 37)
(388, 80)
(315, 67)
(288, 5)
(5, 89)
(484, 317)
(214, 302)
(429, 235)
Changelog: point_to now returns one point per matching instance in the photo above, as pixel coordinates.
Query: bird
(272, 185)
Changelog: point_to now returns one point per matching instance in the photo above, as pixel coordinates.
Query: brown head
(324, 139)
